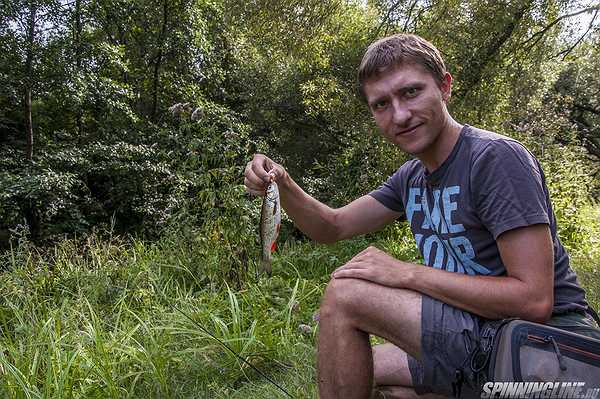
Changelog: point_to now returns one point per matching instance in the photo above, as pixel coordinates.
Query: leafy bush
(569, 173)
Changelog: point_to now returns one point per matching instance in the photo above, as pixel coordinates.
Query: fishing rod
(205, 330)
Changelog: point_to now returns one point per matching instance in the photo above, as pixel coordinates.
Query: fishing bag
(514, 350)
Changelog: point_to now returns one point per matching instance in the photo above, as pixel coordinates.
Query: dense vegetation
(125, 126)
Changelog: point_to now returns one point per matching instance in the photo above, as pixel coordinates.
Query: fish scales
(270, 223)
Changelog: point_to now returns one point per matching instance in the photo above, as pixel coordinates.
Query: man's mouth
(409, 130)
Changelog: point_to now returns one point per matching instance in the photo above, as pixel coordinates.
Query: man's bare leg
(351, 310)
(392, 375)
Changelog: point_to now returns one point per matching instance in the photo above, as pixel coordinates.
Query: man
(480, 213)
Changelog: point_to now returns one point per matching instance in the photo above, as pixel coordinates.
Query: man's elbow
(540, 310)
(332, 232)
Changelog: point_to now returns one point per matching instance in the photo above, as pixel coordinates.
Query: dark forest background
(87, 138)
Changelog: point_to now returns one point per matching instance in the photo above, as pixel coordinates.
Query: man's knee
(357, 298)
(342, 298)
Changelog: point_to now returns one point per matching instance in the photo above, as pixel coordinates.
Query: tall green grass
(97, 317)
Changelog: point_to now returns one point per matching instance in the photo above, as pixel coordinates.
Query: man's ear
(446, 87)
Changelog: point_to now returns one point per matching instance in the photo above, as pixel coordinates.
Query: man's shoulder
(484, 142)
(484, 137)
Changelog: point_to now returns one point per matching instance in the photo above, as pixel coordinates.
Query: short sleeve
(389, 193)
(508, 188)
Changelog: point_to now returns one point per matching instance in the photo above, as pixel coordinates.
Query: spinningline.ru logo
(538, 390)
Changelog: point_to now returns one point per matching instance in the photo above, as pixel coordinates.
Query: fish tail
(265, 267)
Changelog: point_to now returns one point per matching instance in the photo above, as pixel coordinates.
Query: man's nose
(402, 114)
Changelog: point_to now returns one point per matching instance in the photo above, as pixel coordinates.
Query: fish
(270, 224)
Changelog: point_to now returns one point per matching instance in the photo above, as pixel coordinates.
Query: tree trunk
(488, 54)
(29, 80)
(78, 116)
(158, 62)
(30, 210)
(28, 124)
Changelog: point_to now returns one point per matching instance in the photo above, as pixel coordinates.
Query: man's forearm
(492, 297)
(312, 217)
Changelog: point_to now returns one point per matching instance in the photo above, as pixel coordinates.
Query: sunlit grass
(102, 318)
(99, 318)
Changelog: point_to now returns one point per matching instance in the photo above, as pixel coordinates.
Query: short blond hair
(392, 51)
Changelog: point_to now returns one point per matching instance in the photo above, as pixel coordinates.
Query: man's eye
(412, 92)
(380, 105)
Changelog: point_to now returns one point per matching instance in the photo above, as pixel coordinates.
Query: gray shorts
(447, 336)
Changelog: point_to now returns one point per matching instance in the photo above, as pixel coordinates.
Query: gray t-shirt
(489, 184)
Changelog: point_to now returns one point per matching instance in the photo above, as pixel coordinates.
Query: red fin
(274, 246)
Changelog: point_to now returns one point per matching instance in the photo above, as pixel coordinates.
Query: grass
(98, 318)
(586, 260)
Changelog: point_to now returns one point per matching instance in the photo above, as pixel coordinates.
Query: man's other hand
(377, 266)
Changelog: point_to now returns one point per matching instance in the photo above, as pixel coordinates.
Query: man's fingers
(252, 177)
(352, 265)
(366, 250)
(260, 166)
(254, 182)
(254, 186)
(351, 273)
(359, 256)
(259, 173)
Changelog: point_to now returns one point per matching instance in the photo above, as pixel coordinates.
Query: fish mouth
(271, 193)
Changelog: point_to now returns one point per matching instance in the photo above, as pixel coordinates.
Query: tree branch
(410, 11)
(489, 53)
(539, 34)
(588, 108)
(566, 52)
(387, 16)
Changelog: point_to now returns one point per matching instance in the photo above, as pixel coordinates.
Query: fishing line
(205, 330)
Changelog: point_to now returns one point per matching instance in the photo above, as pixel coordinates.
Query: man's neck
(443, 146)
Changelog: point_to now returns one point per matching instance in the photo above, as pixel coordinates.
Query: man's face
(408, 105)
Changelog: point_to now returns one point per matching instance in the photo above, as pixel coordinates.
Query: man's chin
(409, 149)
(412, 147)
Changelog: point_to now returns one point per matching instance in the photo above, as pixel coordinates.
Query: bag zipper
(558, 345)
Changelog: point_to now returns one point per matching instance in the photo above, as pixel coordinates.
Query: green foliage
(278, 77)
(542, 127)
(105, 146)
(579, 86)
(569, 182)
(98, 320)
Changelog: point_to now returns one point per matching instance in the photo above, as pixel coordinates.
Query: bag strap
(593, 313)
(478, 357)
